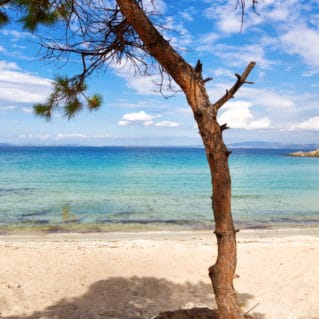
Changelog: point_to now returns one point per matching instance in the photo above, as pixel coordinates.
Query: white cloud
(16, 35)
(239, 56)
(35, 136)
(13, 107)
(62, 136)
(27, 110)
(81, 136)
(227, 19)
(208, 38)
(22, 94)
(238, 115)
(72, 135)
(282, 107)
(8, 108)
(229, 24)
(138, 117)
(310, 73)
(140, 83)
(184, 111)
(146, 120)
(262, 123)
(124, 103)
(186, 15)
(279, 14)
(21, 87)
(143, 85)
(227, 15)
(4, 65)
(150, 6)
(303, 41)
(268, 98)
(167, 124)
(206, 42)
(9, 76)
(291, 26)
(223, 72)
(123, 123)
(234, 55)
(148, 123)
(172, 27)
(311, 124)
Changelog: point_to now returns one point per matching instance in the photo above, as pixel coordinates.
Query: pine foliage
(69, 95)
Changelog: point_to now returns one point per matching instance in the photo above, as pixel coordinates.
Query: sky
(281, 106)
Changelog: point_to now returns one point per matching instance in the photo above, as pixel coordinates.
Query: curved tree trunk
(222, 273)
(205, 113)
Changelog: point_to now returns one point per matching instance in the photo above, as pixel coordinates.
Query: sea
(150, 188)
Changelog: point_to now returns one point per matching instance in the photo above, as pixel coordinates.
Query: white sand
(136, 275)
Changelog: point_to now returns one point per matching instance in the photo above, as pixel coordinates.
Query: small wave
(36, 222)
(246, 196)
(41, 213)
(178, 222)
(17, 191)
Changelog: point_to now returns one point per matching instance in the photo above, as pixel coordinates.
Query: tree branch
(156, 45)
(241, 79)
(3, 2)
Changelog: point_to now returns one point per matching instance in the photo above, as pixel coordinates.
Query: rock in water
(314, 153)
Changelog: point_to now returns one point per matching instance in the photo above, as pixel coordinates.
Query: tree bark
(222, 273)
(205, 113)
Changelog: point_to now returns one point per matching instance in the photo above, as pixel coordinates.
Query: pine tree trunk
(205, 113)
(222, 273)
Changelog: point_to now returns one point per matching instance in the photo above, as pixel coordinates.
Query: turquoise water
(58, 186)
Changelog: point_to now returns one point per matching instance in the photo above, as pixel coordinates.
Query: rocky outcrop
(314, 153)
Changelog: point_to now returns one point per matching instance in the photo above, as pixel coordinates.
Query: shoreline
(244, 233)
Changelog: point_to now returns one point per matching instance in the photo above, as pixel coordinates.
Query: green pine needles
(4, 19)
(69, 95)
(36, 12)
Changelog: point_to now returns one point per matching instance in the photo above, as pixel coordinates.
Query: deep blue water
(107, 186)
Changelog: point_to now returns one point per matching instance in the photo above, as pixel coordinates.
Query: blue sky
(282, 105)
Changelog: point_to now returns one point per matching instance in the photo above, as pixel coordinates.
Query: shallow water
(129, 188)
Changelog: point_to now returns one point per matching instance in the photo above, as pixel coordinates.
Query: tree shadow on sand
(131, 298)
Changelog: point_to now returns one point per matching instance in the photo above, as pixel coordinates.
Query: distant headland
(314, 153)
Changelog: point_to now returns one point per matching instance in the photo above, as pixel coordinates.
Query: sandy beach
(137, 275)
